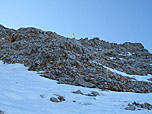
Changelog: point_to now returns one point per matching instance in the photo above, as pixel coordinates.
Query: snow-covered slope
(21, 91)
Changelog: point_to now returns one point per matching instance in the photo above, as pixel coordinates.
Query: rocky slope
(77, 62)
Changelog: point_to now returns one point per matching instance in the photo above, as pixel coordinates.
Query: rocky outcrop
(93, 93)
(138, 106)
(72, 61)
(57, 99)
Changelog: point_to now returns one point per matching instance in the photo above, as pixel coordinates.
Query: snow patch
(129, 54)
(120, 54)
(137, 77)
(3, 38)
(112, 58)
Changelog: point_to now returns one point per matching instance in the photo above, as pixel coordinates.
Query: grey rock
(53, 99)
(74, 101)
(147, 105)
(61, 98)
(77, 92)
(77, 62)
(131, 107)
(1, 112)
(139, 106)
(42, 96)
(89, 94)
(94, 93)
(150, 79)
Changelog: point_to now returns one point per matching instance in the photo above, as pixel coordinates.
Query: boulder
(77, 92)
(53, 99)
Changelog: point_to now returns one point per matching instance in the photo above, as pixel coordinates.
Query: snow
(121, 58)
(137, 77)
(129, 54)
(120, 54)
(150, 64)
(20, 92)
(112, 58)
(3, 38)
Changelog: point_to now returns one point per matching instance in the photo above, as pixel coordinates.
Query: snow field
(20, 92)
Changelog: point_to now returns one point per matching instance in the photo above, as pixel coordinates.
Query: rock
(147, 104)
(135, 103)
(77, 62)
(42, 96)
(1, 112)
(131, 107)
(150, 79)
(61, 98)
(94, 93)
(58, 99)
(53, 99)
(77, 92)
(96, 38)
(74, 101)
(89, 94)
(139, 106)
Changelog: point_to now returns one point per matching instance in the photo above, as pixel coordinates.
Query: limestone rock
(77, 92)
(77, 62)
(139, 106)
(130, 108)
(94, 93)
(61, 98)
(53, 99)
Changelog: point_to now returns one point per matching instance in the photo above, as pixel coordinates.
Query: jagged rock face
(72, 61)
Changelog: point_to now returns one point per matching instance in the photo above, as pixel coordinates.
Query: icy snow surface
(20, 92)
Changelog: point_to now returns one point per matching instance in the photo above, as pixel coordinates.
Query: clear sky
(111, 20)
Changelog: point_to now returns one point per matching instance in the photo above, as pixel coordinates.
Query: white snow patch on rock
(137, 77)
(129, 54)
(112, 58)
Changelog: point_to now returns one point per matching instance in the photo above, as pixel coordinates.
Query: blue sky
(111, 20)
